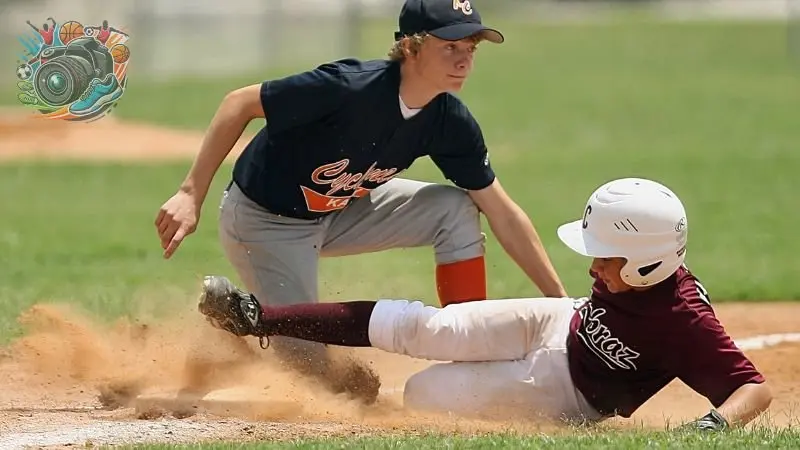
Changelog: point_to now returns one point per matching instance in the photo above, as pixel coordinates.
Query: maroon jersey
(623, 348)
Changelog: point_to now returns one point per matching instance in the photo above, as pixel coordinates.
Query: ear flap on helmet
(650, 272)
(648, 269)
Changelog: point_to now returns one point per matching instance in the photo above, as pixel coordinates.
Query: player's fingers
(161, 214)
(165, 224)
(174, 243)
(169, 234)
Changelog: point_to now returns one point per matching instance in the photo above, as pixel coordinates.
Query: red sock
(461, 281)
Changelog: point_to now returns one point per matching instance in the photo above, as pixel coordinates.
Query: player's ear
(405, 44)
(412, 46)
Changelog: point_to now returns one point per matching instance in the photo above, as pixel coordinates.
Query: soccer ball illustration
(24, 71)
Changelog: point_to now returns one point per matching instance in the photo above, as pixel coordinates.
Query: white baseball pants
(508, 357)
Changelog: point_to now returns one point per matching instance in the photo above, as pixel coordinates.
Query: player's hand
(177, 219)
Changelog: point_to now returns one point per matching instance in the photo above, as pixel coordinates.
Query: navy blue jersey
(336, 132)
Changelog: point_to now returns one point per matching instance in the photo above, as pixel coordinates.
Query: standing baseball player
(647, 322)
(321, 178)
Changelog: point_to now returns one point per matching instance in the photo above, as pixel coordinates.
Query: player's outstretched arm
(519, 238)
(178, 217)
(233, 115)
(744, 405)
(712, 365)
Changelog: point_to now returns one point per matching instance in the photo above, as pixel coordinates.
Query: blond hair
(398, 53)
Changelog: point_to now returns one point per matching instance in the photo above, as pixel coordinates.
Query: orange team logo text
(343, 185)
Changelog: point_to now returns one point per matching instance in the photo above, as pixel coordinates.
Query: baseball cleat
(229, 308)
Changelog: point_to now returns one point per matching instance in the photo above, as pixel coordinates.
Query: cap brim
(572, 235)
(465, 30)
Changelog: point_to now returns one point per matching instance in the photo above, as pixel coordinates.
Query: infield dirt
(70, 379)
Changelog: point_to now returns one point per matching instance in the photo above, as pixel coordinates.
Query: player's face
(608, 270)
(446, 64)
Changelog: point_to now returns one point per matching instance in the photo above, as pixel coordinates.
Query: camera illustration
(70, 68)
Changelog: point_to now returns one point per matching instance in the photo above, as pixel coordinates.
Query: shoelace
(90, 89)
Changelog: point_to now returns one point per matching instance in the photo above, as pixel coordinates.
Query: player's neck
(415, 91)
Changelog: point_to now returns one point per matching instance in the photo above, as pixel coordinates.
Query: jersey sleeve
(302, 98)
(710, 362)
(461, 152)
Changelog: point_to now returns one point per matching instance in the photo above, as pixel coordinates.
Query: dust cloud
(63, 345)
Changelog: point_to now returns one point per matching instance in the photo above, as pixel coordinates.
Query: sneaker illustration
(98, 94)
(25, 86)
(28, 99)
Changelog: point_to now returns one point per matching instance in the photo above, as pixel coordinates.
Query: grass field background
(593, 441)
(710, 109)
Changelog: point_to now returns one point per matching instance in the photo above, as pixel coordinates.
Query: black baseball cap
(451, 20)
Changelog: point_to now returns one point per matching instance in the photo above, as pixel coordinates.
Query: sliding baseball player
(647, 321)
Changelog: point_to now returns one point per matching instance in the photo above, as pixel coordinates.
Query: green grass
(84, 234)
(784, 439)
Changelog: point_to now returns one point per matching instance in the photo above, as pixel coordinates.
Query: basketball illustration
(69, 31)
(120, 53)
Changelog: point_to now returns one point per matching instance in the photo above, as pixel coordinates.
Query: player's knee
(423, 390)
(450, 203)
(438, 390)
(460, 206)
(459, 225)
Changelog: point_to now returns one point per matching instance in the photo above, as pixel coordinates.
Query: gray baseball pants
(277, 257)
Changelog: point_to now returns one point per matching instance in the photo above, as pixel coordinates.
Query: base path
(27, 137)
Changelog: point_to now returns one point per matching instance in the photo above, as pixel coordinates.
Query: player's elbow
(752, 400)
(759, 396)
(765, 396)
(244, 103)
(761, 399)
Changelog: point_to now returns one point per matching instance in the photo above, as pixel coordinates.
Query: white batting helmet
(633, 218)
